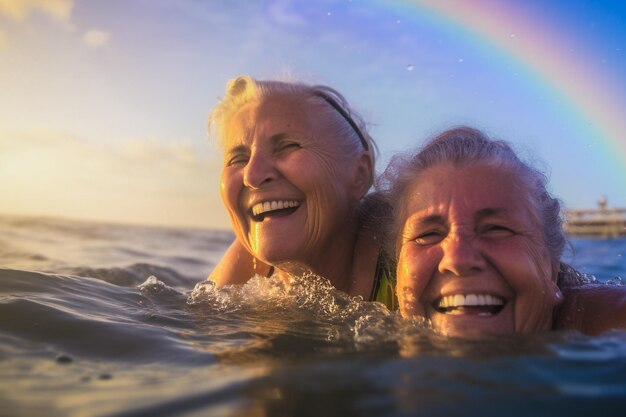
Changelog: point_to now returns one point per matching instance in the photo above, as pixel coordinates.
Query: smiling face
(287, 187)
(472, 256)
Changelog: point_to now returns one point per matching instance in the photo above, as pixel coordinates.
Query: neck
(333, 262)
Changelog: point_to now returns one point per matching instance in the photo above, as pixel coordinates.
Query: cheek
(530, 270)
(327, 189)
(535, 292)
(230, 185)
(412, 281)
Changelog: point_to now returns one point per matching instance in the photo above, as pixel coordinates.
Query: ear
(362, 176)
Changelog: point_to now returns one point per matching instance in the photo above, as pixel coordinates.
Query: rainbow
(544, 52)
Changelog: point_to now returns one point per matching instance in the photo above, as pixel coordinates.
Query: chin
(277, 254)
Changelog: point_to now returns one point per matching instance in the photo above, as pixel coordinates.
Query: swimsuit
(384, 290)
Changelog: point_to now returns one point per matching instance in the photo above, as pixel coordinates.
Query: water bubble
(409, 67)
(616, 280)
(303, 300)
(512, 35)
(329, 14)
(461, 60)
(153, 286)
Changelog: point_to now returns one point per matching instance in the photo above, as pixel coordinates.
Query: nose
(259, 170)
(460, 256)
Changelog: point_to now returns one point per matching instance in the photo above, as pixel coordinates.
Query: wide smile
(272, 208)
(469, 304)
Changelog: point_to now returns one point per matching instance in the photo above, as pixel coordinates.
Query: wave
(90, 318)
(134, 275)
(83, 346)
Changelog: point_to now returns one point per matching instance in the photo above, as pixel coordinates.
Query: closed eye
(287, 146)
(239, 159)
(496, 231)
(429, 238)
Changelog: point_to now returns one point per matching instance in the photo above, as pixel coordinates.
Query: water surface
(99, 320)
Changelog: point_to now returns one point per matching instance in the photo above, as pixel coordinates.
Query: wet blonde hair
(345, 123)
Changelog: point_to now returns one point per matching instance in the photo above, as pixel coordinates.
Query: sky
(104, 103)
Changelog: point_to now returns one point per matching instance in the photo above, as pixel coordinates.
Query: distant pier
(601, 222)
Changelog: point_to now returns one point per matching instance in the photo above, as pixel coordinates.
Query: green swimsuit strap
(384, 290)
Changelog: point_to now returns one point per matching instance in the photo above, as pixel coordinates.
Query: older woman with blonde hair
(298, 163)
(478, 240)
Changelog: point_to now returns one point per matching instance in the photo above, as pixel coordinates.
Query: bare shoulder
(373, 217)
(592, 308)
(237, 266)
(364, 262)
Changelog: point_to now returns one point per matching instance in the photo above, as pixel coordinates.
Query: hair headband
(346, 116)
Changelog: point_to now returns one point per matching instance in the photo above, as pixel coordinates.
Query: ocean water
(111, 320)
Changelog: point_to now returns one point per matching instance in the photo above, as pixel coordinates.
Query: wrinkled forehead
(473, 186)
(269, 116)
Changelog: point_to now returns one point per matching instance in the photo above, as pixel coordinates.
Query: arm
(237, 266)
(593, 308)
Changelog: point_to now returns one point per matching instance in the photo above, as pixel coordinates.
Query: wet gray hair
(343, 120)
(460, 146)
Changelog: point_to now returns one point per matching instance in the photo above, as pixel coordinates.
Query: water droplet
(409, 67)
(460, 59)
(512, 35)
(329, 14)
(398, 21)
(616, 280)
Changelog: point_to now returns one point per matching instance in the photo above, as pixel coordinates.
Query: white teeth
(273, 205)
(459, 300)
(471, 300)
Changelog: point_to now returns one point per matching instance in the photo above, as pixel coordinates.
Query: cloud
(138, 181)
(96, 38)
(19, 9)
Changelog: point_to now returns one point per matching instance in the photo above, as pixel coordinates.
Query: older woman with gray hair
(297, 163)
(478, 242)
